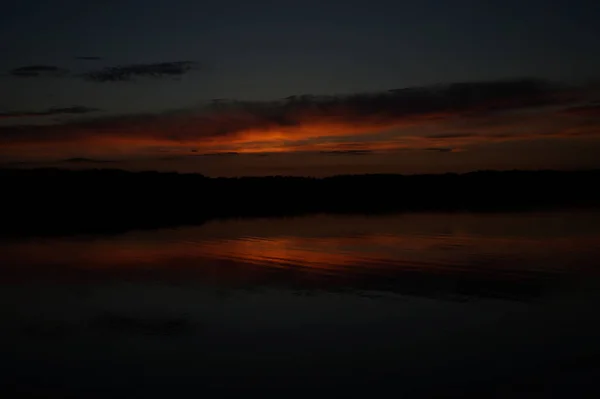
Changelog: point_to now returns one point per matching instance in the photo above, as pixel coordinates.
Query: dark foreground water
(413, 305)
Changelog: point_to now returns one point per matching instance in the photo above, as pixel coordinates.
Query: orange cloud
(450, 116)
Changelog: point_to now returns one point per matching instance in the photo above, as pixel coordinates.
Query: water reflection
(481, 305)
(452, 255)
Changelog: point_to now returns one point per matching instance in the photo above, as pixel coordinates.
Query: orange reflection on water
(359, 253)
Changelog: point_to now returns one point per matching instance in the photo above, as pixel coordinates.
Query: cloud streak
(119, 73)
(440, 149)
(439, 118)
(346, 152)
(130, 72)
(83, 161)
(74, 110)
(583, 110)
(38, 70)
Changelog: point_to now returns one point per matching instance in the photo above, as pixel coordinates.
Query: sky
(237, 87)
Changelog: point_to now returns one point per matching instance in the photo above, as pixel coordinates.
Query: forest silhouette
(56, 201)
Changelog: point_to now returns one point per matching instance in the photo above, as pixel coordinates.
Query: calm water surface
(420, 305)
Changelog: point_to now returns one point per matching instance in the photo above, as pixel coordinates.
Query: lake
(413, 305)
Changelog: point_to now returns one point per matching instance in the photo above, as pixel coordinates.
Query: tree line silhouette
(58, 201)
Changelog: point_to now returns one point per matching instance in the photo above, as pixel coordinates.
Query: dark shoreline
(48, 202)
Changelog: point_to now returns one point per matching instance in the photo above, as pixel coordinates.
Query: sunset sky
(239, 87)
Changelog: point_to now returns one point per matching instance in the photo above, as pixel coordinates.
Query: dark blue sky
(263, 50)
(266, 50)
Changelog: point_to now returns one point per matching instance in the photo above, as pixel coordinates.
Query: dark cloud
(67, 161)
(77, 109)
(440, 149)
(129, 72)
(38, 70)
(117, 73)
(74, 110)
(82, 161)
(498, 135)
(218, 154)
(450, 135)
(347, 152)
(387, 107)
(307, 117)
(592, 109)
(17, 163)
